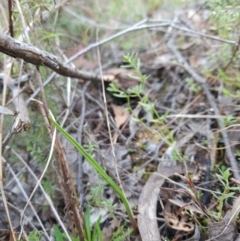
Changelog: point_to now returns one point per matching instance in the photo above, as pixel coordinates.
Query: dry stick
(10, 17)
(229, 152)
(69, 94)
(80, 157)
(1, 158)
(68, 101)
(22, 121)
(212, 102)
(233, 55)
(173, 24)
(203, 35)
(35, 56)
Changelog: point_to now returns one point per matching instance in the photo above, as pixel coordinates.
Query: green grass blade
(100, 170)
(87, 224)
(57, 233)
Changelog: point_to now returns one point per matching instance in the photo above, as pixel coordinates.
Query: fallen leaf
(121, 114)
(120, 76)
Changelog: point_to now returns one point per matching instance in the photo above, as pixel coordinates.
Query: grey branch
(22, 120)
(33, 55)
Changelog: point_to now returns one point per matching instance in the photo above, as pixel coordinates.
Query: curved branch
(33, 55)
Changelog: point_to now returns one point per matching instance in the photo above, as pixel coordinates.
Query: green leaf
(235, 188)
(99, 169)
(120, 95)
(121, 237)
(97, 232)
(87, 224)
(57, 233)
(227, 195)
(226, 92)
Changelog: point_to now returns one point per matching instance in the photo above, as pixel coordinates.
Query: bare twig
(80, 157)
(10, 17)
(22, 121)
(233, 55)
(203, 35)
(1, 158)
(35, 56)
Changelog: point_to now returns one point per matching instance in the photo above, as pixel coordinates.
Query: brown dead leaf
(121, 114)
(178, 221)
(195, 18)
(120, 76)
(118, 71)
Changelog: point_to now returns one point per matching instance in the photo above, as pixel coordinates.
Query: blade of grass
(100, 170)
(87, 224)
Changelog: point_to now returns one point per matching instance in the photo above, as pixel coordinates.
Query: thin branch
(233, 55)
(33, 55)
(80, 157)
(10, 17)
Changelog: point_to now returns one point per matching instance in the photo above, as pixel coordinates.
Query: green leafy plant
(193, 86)
(59, 236)
(48, 186)
(34, 236)
(224, 17)
(96, 198)
(96, 234)
(92, 233)
(229, 120)
(95, 195)
(90, 147)
(228, 191)
(120, 235)
(160, 130)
